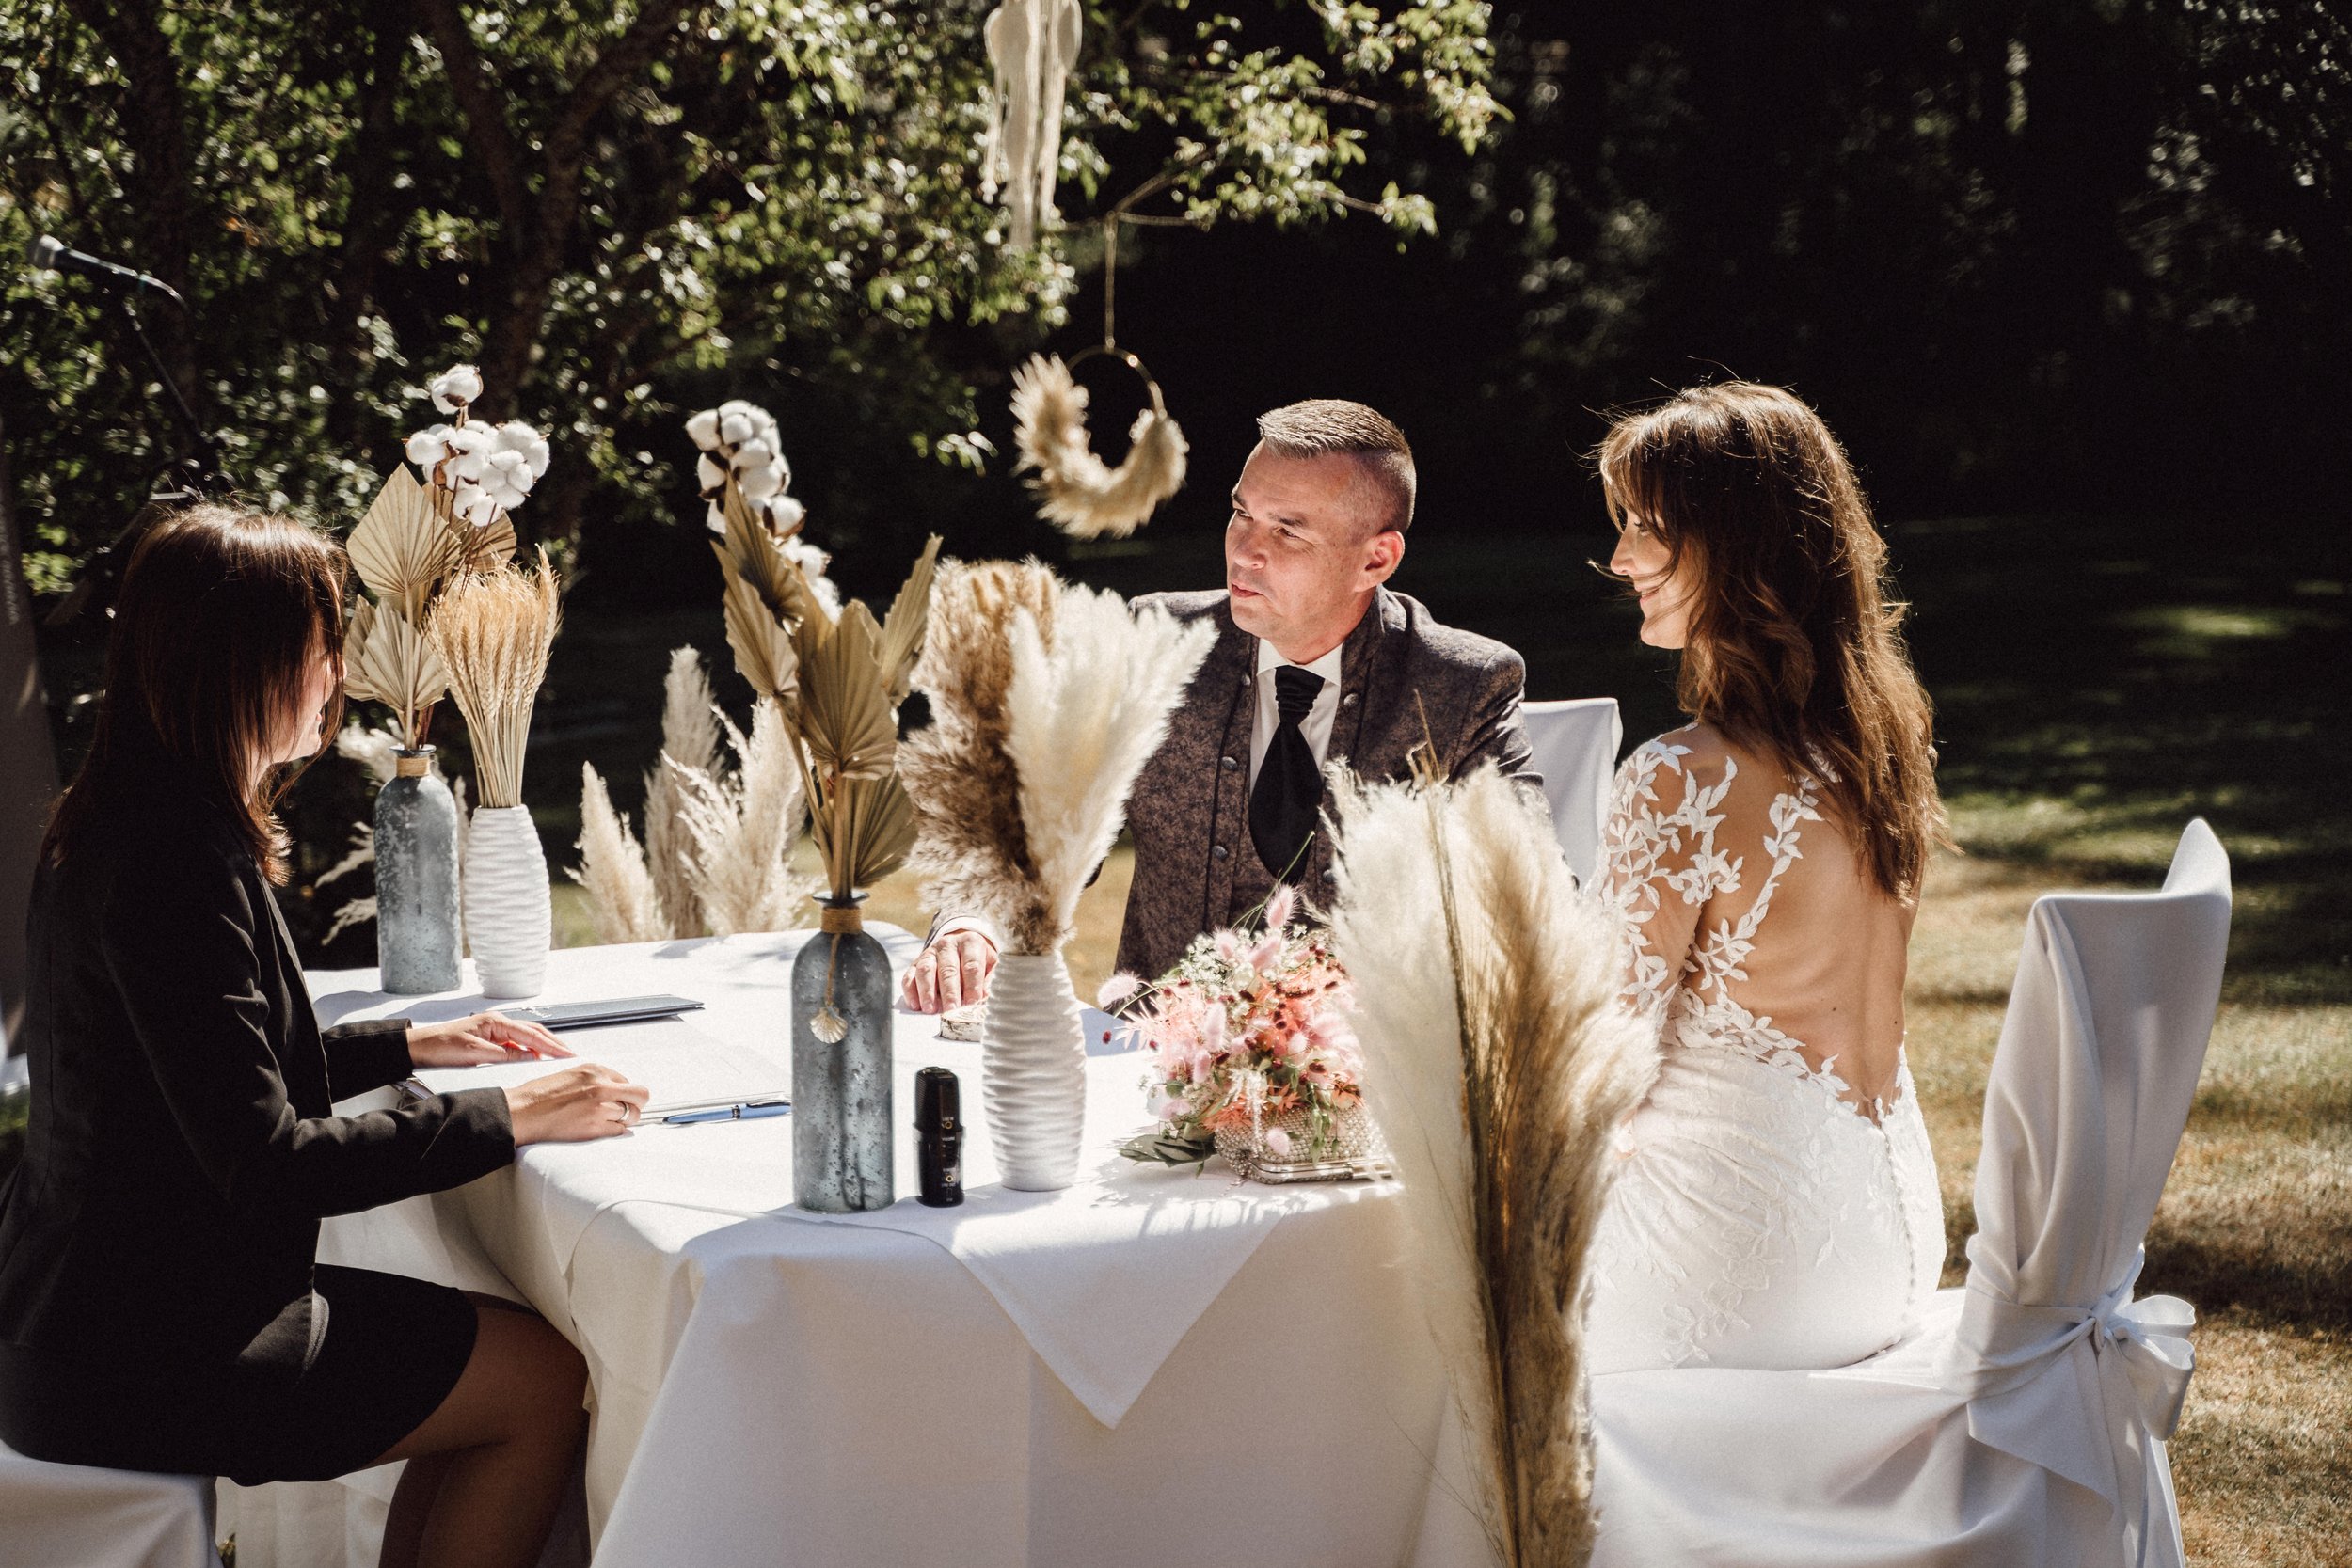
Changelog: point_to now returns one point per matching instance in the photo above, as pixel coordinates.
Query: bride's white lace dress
(1775, 1201)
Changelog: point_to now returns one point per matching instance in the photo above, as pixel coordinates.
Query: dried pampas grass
(622, 906)
(690, 739)
(493, 631)
(1046, 702)
(1498, 1067)
(1076, 491)
(741, 826)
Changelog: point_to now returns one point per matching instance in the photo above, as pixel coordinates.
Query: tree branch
(159, 184)
(484, 106)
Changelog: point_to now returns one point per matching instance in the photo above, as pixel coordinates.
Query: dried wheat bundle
(1076, 491)
(1046, 702)
(621, 902)
(690, 739)
(742, 825)
(1498, 1067)
(493, 631)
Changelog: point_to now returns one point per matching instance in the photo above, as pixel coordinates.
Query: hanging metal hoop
(1076, 491)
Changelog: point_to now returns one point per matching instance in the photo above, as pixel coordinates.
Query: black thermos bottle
(939, 1137)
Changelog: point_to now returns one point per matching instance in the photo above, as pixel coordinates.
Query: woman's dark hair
(1794, 643)
(221, 612)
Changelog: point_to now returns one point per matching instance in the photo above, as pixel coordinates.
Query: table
(1153, 1367)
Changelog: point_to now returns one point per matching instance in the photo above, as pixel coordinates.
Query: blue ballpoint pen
(727, 1113)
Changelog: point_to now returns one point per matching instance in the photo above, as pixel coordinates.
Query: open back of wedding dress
(1775, 1205)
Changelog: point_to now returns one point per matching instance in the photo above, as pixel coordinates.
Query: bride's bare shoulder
(1699, 750)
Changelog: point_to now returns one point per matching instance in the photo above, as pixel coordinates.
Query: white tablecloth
(1152, 1366)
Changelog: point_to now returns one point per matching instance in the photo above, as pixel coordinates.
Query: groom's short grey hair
(1323, 427)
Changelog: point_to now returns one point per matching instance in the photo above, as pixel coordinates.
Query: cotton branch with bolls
(743, 445)
(486, 470)
(416, 537)
(837, 682)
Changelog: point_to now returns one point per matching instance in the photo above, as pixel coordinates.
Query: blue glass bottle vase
(842, 1114)
(416, 878)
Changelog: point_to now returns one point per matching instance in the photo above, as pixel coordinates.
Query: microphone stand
(200, 469)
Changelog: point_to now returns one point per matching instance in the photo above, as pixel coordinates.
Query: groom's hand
(950, 973)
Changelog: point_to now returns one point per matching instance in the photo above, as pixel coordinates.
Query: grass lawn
(2097, 683)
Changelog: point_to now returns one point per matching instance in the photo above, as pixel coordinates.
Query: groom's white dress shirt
(1316, 726)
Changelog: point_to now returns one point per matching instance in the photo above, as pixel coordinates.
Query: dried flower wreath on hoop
(1076, 491)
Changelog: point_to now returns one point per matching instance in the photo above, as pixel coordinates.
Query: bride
(1775, 1201)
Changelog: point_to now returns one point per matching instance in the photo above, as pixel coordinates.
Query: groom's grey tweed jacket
(1196, 868)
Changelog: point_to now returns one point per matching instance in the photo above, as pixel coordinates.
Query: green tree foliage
(619, 211)
(2023, 250)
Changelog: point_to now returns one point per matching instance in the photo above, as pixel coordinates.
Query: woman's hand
(481, 1038)
(586, 1102)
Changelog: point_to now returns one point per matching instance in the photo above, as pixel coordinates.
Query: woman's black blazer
(181, 1150)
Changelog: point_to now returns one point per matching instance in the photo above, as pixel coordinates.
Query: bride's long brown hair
(1794, 643)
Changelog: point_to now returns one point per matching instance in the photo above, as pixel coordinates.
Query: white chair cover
(54, 1515)
(2025, 1421)
(1576, 744)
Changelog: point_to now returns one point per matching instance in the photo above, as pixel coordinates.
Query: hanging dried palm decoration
(1076, 491)
(1032, 45)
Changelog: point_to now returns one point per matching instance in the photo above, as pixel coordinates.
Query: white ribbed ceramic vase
(1033, 1072)
(509, 921)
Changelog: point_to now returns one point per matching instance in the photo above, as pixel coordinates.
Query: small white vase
(509, 920)
(1033, 1072)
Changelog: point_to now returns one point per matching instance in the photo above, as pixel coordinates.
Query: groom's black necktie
(1289, 789)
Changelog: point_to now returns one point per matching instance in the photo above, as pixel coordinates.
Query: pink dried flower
(1278, 1143)
(1279, 908)
(1116, 989)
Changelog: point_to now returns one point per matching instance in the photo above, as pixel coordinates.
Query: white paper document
(680, 1066)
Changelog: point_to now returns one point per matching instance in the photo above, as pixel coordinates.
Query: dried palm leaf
(1076, 491)
(388, 660)
(878, 829)
(758, 558)
(844, 717)
(401, 548)
(763, 645)
(493, 632)
(478, 547)
(903, 629)
(1498, 1068)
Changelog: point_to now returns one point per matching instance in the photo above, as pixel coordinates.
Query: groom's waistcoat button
(1229, 761)
(1218, 850)
(1349, 701)
(1330, 874)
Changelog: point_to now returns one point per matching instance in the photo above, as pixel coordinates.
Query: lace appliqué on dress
(1769, 1225)
(1653, 848)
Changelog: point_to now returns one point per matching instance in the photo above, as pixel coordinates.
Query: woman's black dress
(160, 1303)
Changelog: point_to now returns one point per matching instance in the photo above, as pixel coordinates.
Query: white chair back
(1576, 744)
(94, 1518)
(2091, 1088)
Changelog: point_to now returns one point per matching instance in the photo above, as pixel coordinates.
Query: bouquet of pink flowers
(1246, 1030)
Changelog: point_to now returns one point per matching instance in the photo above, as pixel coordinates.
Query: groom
(1315, 663)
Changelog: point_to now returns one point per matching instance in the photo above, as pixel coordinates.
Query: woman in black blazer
(160, 1305)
